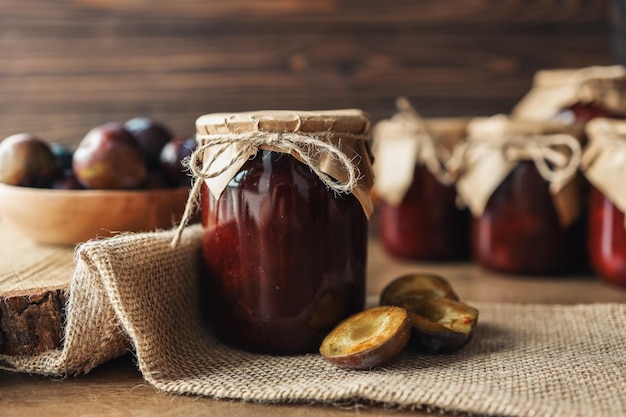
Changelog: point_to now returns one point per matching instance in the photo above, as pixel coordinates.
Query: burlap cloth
(135, 292)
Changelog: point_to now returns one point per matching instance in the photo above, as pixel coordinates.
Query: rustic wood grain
(117, 389)
(34, 282)
(69, 65)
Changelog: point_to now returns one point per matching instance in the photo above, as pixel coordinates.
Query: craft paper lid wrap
(496, 145)
(333, 143)
(604, 159)
(555, 90)
(401, 143)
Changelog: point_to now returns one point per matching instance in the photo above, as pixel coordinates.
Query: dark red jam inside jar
(607, 238)
(427, 224)
(519, 231)
(584, 112)
(285, 257)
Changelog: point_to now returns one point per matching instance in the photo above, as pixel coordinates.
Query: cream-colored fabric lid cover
(604, 159)
(321, 139)
(404, 141)
(555, 90)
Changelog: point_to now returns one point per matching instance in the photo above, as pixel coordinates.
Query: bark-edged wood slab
(34, 281)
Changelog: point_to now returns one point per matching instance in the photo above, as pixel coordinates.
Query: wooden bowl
(73, 216)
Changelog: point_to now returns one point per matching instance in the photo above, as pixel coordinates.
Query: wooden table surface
(117, 388)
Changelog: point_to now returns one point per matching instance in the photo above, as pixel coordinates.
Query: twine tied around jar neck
(432, 156)
(401, 144)
(554, 165)
(604, 136)
(498, 144)
(306, 148)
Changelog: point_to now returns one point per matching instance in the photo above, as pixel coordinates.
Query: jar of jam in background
(417, 212)
(604, 165)
(285, 255)
(522, 186)
(519, 231)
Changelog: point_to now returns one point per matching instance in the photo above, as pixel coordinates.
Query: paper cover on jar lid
(555, 90)
(604, 159)
(495, 145)
(334, 143)
(400, 143)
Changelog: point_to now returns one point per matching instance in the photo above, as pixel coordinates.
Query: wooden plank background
(67, 65)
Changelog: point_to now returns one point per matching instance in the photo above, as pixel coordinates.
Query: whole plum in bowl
(109, 187)
(109, 157)
(27, 161)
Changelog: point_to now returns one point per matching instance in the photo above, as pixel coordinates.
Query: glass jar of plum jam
(604, 165)
(418, 217)
(284, 247)
(522, 189)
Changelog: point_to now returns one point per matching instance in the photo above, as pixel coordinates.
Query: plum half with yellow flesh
(439, 325)
(440, 322)
(368, 339)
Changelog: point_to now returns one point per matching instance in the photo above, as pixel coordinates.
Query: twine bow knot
(546, 151)
(431, 153)
(306, 148)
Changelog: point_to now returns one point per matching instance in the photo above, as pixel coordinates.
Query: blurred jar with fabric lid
(521, 183)
(417, 212)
